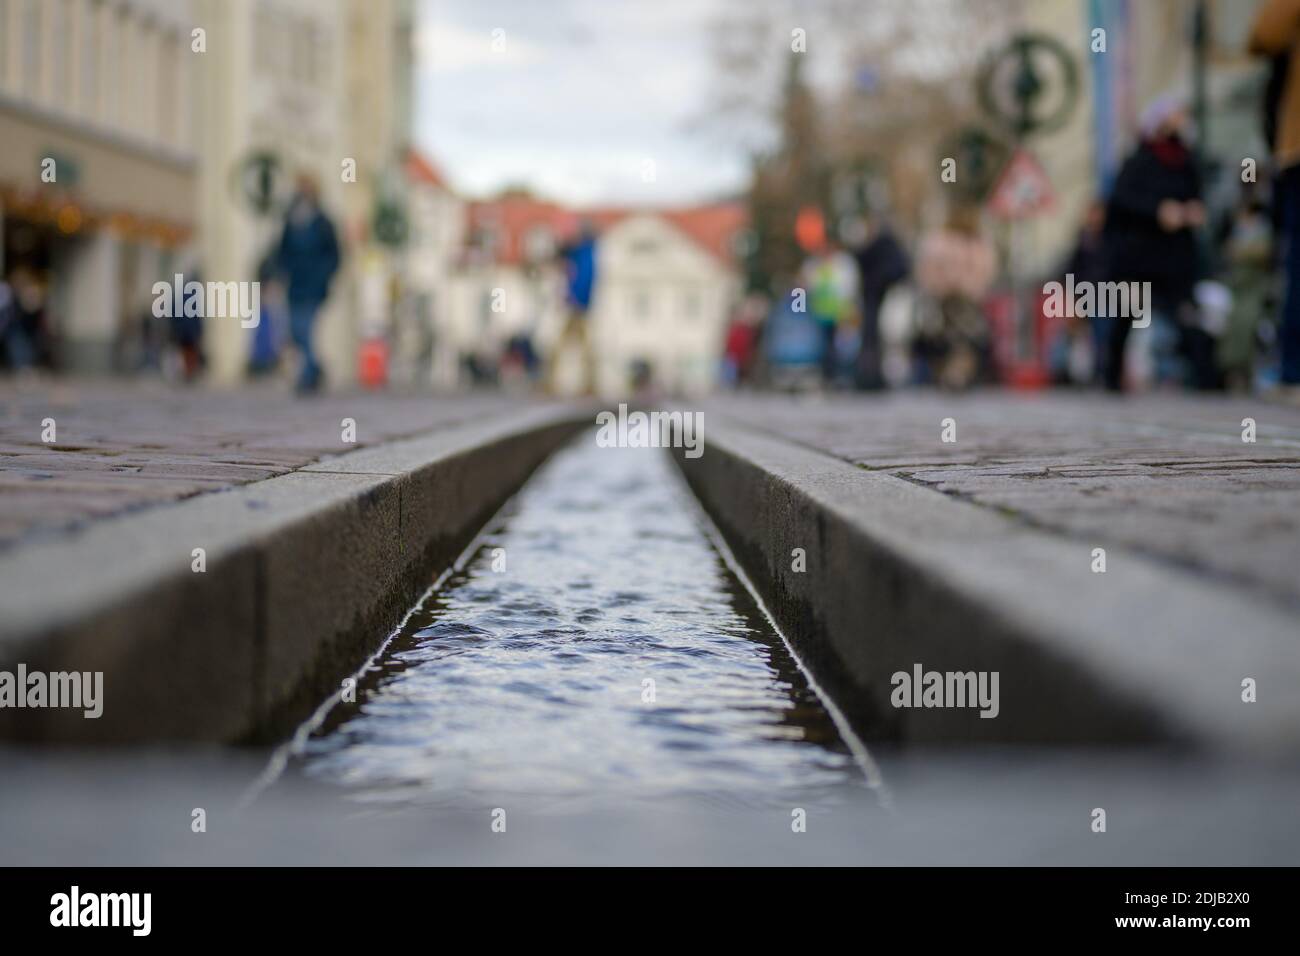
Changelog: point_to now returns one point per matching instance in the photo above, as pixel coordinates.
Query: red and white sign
(1023, 190)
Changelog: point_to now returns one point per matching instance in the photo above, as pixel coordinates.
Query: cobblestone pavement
(121, 447)
(1168, 476)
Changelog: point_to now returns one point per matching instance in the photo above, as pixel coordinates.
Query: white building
(666, 285)
(437, 235)
(506, 281)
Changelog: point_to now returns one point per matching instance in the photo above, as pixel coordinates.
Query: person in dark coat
(187, 326)
(308, 257)
(1150, 232)
(1087, 263)
(1276, 34)
(882, 263)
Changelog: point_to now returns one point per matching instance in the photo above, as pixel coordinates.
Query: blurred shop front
(97, 182)
(93, 242)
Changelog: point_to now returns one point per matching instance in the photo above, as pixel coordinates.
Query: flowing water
(596, 646)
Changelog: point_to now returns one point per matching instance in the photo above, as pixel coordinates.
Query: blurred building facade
(292, 87)
(99, 174)
(437, 227)
(146, 137)
(270, 104)
(379, 67)
(668, 282)
(506, 282)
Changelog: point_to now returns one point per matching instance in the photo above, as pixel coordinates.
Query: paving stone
(124, 446)
(1165, 474)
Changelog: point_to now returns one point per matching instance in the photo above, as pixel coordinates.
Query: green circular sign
(1031, 85)
(257, 181)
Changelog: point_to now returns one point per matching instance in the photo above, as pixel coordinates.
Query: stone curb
(305, 574)
(899, 575)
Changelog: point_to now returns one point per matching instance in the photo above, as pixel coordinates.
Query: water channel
(594, 647)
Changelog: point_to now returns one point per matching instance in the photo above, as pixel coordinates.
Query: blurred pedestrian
(829, 278)
(309, 257)
(186, 325)
(790, 343)
(741, 343)
(268, 335)
(15, 349)
(1276, 34)
(1154, 211)
(1247, 251)
(882, 264)
(579, 260)
(1079, 358)
(26, 336)
(955, 268)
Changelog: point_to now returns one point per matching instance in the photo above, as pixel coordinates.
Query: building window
(109, 59)
(60, 61)
(4, 43)
(169, 89)
(89, 53)
(485, 238)
(275, 51)
(119, 67)
(539, 244)
(29, 80)
(301, 50)
(641, 305)
(148, 88)
(692, 303)
(314, 53)
(321, 47)
(263, 61)
(1230, 27)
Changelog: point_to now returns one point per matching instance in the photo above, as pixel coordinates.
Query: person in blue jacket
(308, 258)
(579, 258)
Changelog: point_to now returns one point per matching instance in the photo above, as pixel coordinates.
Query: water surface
(595, 647)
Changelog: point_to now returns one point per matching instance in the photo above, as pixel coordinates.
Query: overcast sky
(583, 94)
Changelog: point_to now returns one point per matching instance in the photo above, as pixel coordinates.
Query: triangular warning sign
(1023, 190)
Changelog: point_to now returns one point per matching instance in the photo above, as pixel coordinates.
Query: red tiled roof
(421, 170)
(713, 227)
(512, 217)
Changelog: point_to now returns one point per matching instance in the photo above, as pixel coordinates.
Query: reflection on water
(603, 651)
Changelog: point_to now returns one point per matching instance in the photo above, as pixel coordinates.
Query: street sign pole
(1014, 92)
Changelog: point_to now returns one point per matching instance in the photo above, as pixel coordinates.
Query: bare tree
(881, 84)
